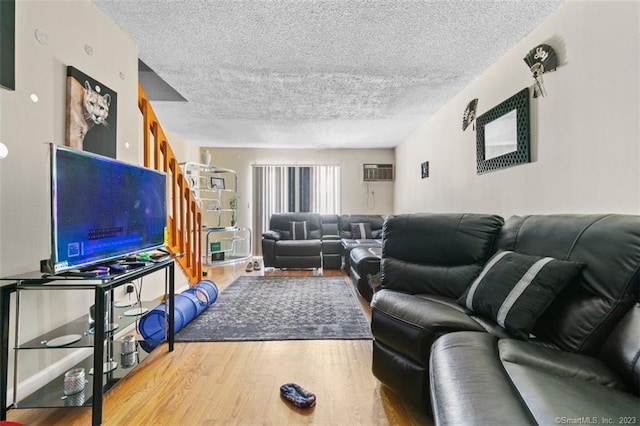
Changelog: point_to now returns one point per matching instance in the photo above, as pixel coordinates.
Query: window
(293, 189)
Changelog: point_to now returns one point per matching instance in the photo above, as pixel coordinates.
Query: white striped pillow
(361, 231)
(514, 289)
(298, 230)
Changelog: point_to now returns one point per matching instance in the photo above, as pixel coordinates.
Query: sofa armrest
(331, 238)
(271, 235)
(269, 252)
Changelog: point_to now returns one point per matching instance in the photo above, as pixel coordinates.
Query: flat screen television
(102, 209)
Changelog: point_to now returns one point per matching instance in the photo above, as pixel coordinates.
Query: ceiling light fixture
(34, 97)
(88, 49)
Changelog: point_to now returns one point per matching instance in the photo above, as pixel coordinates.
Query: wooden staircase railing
(184, 218)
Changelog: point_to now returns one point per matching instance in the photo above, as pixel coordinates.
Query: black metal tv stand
(103, 285)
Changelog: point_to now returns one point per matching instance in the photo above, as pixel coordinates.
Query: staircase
(184, 219)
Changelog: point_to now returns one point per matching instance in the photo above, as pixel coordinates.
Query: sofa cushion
(514, 289)
(584, 313)
(551, 398)
(329, 225)
(280, 222)
(439, 254)
(375, 221)
(298, 248)
(475, 374)
(331, 247)
(298, 230)
(361, 231)
(469, 384)
(560, 363)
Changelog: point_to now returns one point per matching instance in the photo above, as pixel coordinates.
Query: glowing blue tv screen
(103, 209)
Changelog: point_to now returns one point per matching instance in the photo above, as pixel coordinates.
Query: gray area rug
(281, 308)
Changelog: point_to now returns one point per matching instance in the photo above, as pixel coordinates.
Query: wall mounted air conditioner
(377, 172)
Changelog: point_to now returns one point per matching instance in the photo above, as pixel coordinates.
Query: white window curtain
(273, 193)
(325, 189)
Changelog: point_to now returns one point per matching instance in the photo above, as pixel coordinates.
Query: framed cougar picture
(92, 112)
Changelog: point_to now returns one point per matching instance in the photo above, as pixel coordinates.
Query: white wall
(585, 132)
(356, 197)
(26, 128)
(182, 148)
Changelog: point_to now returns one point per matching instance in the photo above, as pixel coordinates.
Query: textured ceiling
(311, 73)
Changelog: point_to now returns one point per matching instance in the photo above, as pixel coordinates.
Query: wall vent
(377, 172)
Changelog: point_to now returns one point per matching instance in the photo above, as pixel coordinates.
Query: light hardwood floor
(228, 383)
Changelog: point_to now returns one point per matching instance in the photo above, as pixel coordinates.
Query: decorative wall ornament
(469, 115)
(541, 59)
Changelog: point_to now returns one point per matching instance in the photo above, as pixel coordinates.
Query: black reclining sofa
(324, 242)
(283, 248)
(532, 321)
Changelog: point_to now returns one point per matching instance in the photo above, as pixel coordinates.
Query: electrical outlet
(129, 288)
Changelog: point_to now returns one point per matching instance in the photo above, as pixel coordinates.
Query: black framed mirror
(502, 138)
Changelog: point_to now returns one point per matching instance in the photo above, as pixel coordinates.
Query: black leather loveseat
(564, 289)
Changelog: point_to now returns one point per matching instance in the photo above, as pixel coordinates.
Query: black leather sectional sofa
(532, 320)
(326, 240)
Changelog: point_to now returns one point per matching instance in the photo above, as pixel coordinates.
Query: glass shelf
(51, 394)
(230, 240)
(219, 206)
(212, 190)
(220, 228)
(81, 326)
